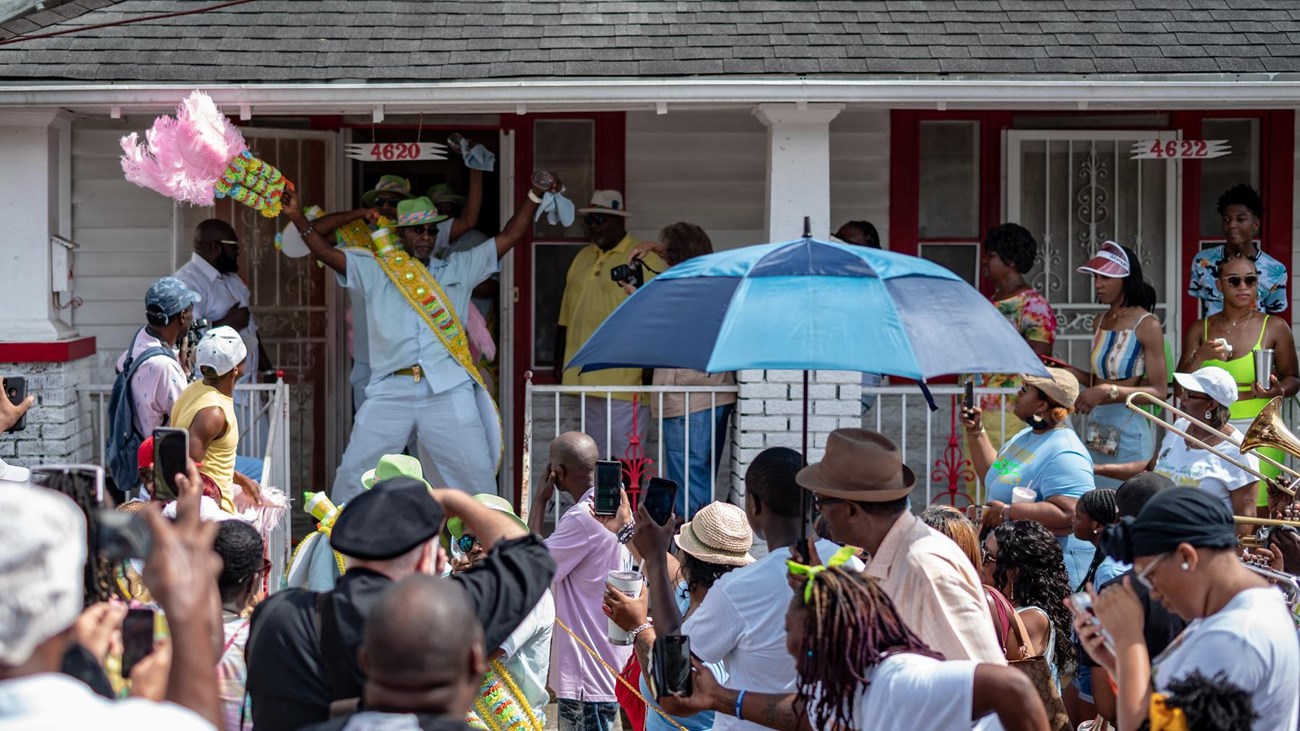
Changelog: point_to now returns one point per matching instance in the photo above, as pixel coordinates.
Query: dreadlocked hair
(1210, 704)
(1035, 555)
(97, 584)
(849, 626)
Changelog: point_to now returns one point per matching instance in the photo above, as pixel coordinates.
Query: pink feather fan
(184, 157)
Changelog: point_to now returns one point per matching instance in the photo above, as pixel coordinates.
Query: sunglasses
(228, 242)
(90, 475)
(595, 219)
(988, 558)
(422, 229)
(1142, 575)
(821, 501)
(1236, 281)
(466, 543)
(386, 202)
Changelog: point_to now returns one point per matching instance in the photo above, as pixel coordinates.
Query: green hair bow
(839, 558)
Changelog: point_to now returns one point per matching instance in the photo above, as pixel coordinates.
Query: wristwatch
(532, 196)
(1113, 392)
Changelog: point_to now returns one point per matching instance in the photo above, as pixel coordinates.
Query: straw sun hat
(719, 534)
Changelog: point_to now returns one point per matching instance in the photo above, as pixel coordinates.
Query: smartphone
(968, 400)
(659, 496)
(137, 638)
(87, 478)
(671, 665)
(123, 535)
(171, 449)
(1081, 605)
(16, 391)
(609, 481)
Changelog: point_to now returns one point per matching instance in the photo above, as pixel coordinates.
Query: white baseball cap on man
(1212, 381)
(609, 202)
(41, 581)
(221, 349)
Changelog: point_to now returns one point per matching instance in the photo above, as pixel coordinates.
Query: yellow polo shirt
(589, 297)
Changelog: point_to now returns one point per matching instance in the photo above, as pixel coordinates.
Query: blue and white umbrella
(806, 305)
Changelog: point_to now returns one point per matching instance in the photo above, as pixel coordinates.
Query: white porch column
(35, 192)
(770, 408)
(798, 168)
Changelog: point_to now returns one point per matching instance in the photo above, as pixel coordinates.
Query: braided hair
(240, 547)
(849, 626)
(1040, 580)
(1098, 504)
(98, 580)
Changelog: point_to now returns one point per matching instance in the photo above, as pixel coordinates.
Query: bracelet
(640, 628)
(624, 534)
(534, 197)
(975, 433)
(740, 701)
(310, 230)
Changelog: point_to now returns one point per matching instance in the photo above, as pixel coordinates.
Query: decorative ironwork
(636, 465)
(1093, 200)
(952, 469)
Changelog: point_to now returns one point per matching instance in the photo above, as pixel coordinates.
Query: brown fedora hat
(860, 465)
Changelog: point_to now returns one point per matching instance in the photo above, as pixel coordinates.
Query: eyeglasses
(228, 242)
(466, 543)
(821, 501)
(386, 202)
(89, 473)
(1142, 575)
(988, 558)
(422, 229)
(595, 219)
(1236, 281)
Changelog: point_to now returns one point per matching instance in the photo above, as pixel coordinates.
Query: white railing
(263, 413)
(566, 407)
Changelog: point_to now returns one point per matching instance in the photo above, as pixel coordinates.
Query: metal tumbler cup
(1264, 367)
(628, 582)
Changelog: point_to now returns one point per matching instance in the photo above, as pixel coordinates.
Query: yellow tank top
(219, 460)
(1242, 370)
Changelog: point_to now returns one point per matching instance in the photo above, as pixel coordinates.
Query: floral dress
(1035, 320)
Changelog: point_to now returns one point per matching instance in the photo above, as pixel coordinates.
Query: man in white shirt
(169, 311)
(741, 622)
(41, 599)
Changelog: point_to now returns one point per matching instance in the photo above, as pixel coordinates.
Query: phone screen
(609, 480)
(969, 399)
(672, 657)
(137, 638)
(659, 497)
(16, 392)
(171, 447)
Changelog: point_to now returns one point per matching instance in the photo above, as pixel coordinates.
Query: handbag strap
(1001, 610)
(1022, 635)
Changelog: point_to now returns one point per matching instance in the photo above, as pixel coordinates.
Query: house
(934, 119)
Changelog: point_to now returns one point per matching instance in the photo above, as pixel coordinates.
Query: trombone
(1267, 430)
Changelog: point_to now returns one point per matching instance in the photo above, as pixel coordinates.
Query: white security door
(1076, 189)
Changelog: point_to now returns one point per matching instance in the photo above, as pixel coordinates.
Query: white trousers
(447, 426)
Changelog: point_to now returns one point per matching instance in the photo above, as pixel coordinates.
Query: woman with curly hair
(1023, 560)
(1240, 210)
(859, 666)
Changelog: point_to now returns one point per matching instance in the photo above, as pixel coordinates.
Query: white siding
(704, 167)
(1295, 229)
(860, 169)
(125, 238)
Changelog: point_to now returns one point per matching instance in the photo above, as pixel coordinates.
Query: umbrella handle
(929, 397)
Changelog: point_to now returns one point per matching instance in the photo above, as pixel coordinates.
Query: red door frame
(1277, 167)
(610, 172)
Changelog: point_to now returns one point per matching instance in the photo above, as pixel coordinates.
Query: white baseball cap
(609, 202)
(221, 349)
(1212, 381)
(41, 580)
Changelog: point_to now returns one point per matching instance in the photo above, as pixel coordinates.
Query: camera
(633, 274)
(195, 334)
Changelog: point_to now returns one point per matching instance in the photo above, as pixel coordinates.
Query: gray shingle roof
(437, 40)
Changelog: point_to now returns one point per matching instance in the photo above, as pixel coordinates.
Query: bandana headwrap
(1179, 515)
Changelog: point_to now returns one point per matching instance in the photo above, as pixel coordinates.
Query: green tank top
(1243, 372)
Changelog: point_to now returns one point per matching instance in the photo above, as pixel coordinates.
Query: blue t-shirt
(1052, 463)
(1108, 571)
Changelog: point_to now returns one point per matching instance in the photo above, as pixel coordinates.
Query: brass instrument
(1269, 428)
(1289, 584)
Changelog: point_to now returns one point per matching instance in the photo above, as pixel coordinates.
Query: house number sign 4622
(1179, 149)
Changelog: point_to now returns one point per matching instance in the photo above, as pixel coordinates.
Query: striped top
(1117, 354)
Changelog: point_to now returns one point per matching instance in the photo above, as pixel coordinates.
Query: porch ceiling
(436, 41)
